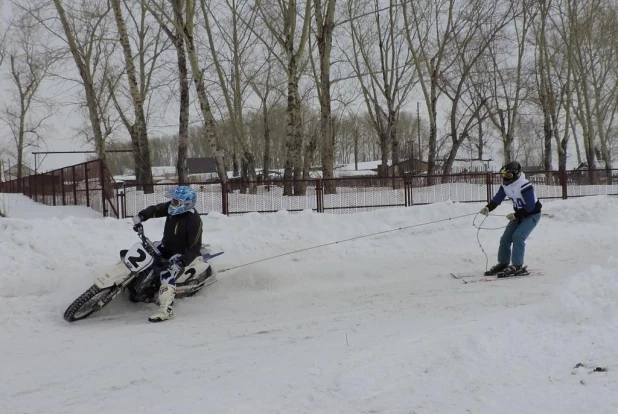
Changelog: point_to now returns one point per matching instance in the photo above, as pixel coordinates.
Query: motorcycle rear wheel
(89, 302)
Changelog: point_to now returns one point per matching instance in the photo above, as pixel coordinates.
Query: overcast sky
(63, 134)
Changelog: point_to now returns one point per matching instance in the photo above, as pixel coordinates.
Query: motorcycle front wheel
(89, 302)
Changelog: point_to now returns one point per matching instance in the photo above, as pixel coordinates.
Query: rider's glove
(137, 221)
(175, 264)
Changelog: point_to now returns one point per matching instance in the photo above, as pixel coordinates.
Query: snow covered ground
(374, 325)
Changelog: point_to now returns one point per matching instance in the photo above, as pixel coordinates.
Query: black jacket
(182, 233)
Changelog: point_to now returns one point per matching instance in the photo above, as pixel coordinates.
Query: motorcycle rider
(181, 243)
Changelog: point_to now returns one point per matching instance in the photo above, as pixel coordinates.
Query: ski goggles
(506, 174)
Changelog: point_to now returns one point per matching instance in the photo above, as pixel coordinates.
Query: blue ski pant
(516, 233)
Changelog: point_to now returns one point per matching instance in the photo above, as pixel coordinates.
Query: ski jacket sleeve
(497, 200)
(159, 210)
(194, 236)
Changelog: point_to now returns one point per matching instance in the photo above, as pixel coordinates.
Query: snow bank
(22, 207)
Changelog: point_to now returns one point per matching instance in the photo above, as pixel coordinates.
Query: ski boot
(513, 270)
(500, 267)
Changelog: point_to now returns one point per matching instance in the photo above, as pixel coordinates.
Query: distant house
(202, 169)
(410, 166)
(11, 173)
(201, 165)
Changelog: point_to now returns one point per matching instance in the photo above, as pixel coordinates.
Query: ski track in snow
(375, 325)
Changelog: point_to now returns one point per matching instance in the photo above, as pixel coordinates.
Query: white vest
(513, 191)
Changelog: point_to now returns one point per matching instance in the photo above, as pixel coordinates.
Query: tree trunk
(140, 133)
(205, 109)
(433, 129)
(392, 129)
(312, 145)
(292, 111)
(266, 164)
(356, 133)
(450, 160)
(325, 27)
(298, 144)
(86, 76)
(384, 140)
(183, 76)
(480, 140)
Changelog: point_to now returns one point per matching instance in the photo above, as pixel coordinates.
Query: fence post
(36, 190)
(53, 179)
(319, 194)
(407, 191)
(563, 183)
(64, 203)
(87, 186)
(124, 201)
(102, 181)
(74, 187)
(224, 206)
(488, 182)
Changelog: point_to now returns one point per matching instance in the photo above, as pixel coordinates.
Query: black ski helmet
(510, 172)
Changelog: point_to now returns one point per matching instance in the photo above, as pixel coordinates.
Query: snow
(373, 325)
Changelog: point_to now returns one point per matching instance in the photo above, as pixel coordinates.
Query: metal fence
(88, 184)
(357, 194)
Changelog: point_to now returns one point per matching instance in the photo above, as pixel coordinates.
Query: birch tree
(324, 13)
(149, 48)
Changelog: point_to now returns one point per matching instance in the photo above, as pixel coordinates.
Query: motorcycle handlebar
(149, 245)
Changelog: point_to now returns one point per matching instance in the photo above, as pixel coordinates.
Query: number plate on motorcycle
(137, 258)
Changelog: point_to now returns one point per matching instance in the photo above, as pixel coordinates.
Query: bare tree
(138, 129)
(263, 81)
(232, 45)
(175, 34)
(385, 74)
(507, 79)
(477, 25)
(429, 26)
(595, 84)
(84, 29)
(26, 112)
(324, 12)
(284, 29)
(186, 25)
(554, 36)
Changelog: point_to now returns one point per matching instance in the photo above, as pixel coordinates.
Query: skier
(181, 243)
(521, 223)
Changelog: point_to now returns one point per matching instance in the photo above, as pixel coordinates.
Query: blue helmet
(183, 198)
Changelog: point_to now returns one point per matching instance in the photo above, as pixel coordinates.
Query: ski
(474, 278)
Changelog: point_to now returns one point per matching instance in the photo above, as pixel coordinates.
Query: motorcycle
(135, 273)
